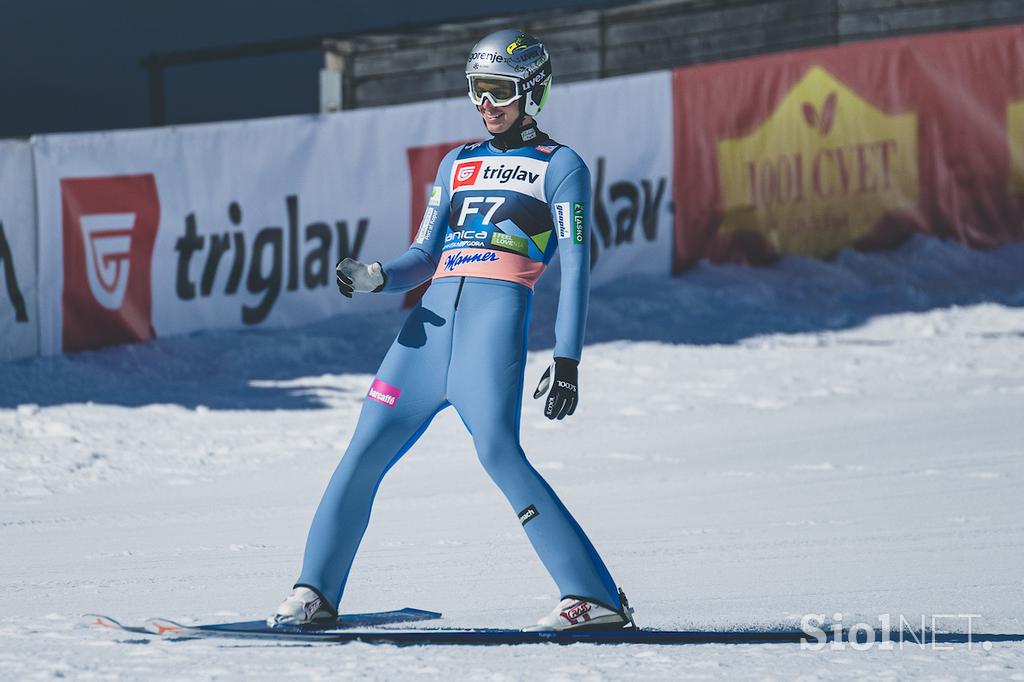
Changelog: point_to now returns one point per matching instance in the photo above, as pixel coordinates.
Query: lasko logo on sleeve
(384, 393)
(577, 222)
(109, 229)
(465, 174)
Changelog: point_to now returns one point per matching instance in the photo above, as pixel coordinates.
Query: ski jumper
(493, 222)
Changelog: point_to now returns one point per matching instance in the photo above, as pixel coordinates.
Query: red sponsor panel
(423, 163)
(109, 230)
(809, 152)
(465, 174)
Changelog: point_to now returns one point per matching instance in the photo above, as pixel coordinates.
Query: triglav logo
(108, 239)
(625, 211)
(525, 176)
(287, 256)
(109, 229)
(503, 174)
(465, 174)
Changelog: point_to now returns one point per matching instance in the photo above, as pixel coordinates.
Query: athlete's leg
(393, 416)
(485, 384)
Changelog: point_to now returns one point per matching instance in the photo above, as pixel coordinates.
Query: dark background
(73, 65)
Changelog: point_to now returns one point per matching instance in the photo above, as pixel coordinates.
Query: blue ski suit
(493, 222)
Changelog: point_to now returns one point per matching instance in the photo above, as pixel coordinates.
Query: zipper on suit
(458, 294)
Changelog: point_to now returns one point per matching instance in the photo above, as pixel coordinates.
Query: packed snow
(752, 445)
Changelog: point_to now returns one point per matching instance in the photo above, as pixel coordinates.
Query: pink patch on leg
(384, 393)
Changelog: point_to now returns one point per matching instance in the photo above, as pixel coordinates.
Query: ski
(344, 631)
(476, 636)
(99, 620)
(260, 629)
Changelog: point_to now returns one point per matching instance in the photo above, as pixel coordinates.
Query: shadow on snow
(707, 305)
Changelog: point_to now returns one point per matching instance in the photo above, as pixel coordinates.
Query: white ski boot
(573, 613)
(301, 607)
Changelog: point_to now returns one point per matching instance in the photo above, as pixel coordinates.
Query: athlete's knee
(363, 463)
(499, 455)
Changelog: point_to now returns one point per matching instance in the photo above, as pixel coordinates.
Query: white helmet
(507, 66)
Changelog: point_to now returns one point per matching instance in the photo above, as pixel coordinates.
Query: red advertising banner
(423, 163)
(809, 152)
(109, 227)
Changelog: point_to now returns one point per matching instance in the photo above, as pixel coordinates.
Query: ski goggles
(501, 90)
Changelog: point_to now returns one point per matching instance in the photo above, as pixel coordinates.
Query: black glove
(564, 393)
(356, 276)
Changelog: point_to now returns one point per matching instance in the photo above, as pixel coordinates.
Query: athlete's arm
(567, 187)
(417, 264)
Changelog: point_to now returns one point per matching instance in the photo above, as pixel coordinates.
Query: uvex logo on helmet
(109, 229)
(534, 80)
(465, 174)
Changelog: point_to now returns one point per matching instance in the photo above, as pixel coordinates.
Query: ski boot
(576, 613)
(302, 607)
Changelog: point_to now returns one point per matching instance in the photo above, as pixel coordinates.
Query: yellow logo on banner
(1015, 133)
(821, 171)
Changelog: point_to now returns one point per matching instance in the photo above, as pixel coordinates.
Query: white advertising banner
(233, 225)
(622, 127)
(19, 326)
(166, 231)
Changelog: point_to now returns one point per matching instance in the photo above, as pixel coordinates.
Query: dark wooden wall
(428, 63)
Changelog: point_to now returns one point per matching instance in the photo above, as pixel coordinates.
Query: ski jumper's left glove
(356, 276)
(562, 389)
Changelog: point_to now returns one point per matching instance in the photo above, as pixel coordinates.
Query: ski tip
(162, 626)
(98, 620)
(422, 613)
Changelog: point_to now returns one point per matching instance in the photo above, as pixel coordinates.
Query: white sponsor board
(248, 218)
(19, 325)
(622, 127)
(236, 225)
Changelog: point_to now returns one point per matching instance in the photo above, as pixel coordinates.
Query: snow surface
(752, 445)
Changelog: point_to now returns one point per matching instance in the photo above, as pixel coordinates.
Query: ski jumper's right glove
(356, 276)
(562, 389)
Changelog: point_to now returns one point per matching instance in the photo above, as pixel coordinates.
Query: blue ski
(478, 637)
(351, 628)
(492, 637)
(257, 628)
